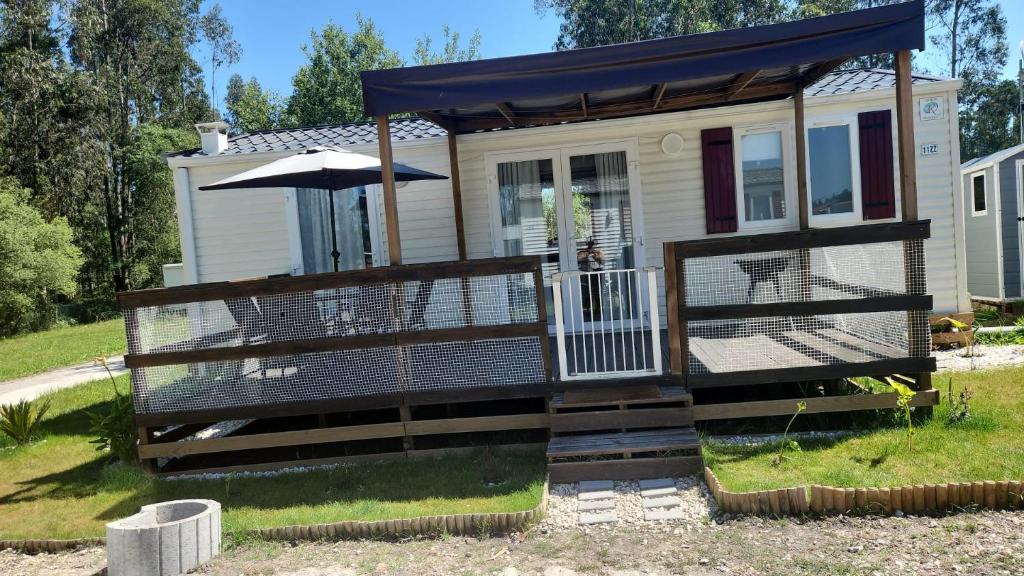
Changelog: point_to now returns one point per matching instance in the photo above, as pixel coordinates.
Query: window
(762, 188)
(353, 236)
(833, 183)
(978, 206)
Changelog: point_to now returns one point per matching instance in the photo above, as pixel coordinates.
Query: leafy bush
(115, 429)
(19, 421)
(39, 262)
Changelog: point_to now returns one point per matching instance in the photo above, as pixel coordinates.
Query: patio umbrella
(323, 168)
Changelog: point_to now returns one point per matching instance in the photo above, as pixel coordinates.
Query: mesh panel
(380, 308)
(805, 275)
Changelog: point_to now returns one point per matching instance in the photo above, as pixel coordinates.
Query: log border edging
(50, 546)
(456, 524)
(911, 499)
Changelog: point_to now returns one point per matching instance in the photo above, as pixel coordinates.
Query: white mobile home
(993, 188)
(642, 180)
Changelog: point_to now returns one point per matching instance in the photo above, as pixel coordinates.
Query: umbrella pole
(334, 231)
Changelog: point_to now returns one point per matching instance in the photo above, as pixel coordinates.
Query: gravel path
(985, 357)
(987, 543)
(698, 507)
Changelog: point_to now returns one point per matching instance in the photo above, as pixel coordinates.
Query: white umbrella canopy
(321, 168)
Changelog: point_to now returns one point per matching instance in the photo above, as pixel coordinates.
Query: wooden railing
(795, 301)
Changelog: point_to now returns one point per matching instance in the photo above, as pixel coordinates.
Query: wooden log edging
(50, 546)
(454, 524)
(915, 499)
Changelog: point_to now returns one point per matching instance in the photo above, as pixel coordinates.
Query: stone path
(31, 387)
(596, 502)
(660, 500)
(604, 504)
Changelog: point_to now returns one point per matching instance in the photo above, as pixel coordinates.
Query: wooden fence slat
(990, 494)
(1002, 494)
(929, 497)
(941, 496)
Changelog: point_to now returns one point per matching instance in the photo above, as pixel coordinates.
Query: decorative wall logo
(931, 108)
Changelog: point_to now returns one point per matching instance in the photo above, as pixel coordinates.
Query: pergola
(670, 74)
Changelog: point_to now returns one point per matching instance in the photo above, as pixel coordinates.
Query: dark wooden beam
(658, 94)
(584, 103)
(905, 132)
(453, 162)
(739, 83)
(801, 160)
(819, 307)
(387, 175)
(507, 112)
(815, 74)
(435, 118)
(806, 373)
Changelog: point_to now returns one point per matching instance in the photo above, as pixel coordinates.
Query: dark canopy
(741, 65)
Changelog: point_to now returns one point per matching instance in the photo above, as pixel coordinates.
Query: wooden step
(624, 444)
(620, 397)
(636, 417)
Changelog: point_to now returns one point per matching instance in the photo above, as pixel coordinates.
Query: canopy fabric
(746, 64)
(323, 167)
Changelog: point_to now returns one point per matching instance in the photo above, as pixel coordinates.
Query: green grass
(987, 446)
(60, 487)
(41, 351)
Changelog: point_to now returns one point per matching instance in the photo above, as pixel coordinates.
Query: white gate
(606, 324)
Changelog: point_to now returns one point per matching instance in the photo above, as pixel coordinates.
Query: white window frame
(857, 215)
(785, 130)
(984, 182)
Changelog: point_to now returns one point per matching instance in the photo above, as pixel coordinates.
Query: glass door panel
(528, 210)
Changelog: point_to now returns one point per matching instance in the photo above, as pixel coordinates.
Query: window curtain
(315, 229)
(522, 211)
(611, 233)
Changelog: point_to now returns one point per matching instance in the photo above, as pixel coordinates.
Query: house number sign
(929, 149)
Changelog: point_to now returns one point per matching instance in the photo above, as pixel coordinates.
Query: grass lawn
(33, 353)
(987, 446)
(60, 487)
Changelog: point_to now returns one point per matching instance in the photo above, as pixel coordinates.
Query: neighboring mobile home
(993, 188)
(712, 227)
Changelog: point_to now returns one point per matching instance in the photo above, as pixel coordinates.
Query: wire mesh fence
(357, 333)
(807, 299)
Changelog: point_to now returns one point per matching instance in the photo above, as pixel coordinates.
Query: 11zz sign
(929, 149)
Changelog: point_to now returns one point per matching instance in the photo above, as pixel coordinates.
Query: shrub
(115, 429)
(19, 421)
(39, 262)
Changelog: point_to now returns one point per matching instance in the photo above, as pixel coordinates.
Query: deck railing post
(542, 316)
(556, 288)
(652, 305)
(675, 298)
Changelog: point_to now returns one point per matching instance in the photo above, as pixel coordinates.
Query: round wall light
(672, 144)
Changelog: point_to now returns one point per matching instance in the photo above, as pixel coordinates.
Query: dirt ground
(986, 543)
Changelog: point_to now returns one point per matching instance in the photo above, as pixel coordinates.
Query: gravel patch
(698, 507)
(985, 357)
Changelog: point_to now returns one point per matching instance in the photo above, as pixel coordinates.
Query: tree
(250, 108)
(451, 52)
(587, 23)
(39, 262)
(992, 122)
(224, 49)
(326, 90)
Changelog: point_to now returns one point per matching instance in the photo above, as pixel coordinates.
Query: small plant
(964, 329)
(115, 429)
(959, 405)
(19, 421)
(904, 397)
(786, 443)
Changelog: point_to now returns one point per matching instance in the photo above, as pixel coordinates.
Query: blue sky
(272, 31)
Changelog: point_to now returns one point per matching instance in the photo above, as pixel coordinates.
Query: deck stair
(622, 432)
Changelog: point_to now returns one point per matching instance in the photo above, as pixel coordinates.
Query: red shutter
(719, 180)
(877, 179)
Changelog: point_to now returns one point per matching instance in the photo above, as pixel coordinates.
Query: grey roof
(993, 157)
(405, 129)
(402, 129)
(847, 81)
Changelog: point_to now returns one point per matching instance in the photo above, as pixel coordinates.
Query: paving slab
(594, 505)
(599, 495)
(654, 492)
(599, 517)
(596, 485)
(662, 502)
(670, 514)
(657, 483)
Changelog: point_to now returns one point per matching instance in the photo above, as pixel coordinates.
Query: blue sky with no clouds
(272, 31)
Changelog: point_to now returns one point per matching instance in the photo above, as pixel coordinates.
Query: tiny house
(993, 188)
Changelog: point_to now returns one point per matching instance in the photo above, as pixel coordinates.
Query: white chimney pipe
(213, 136)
